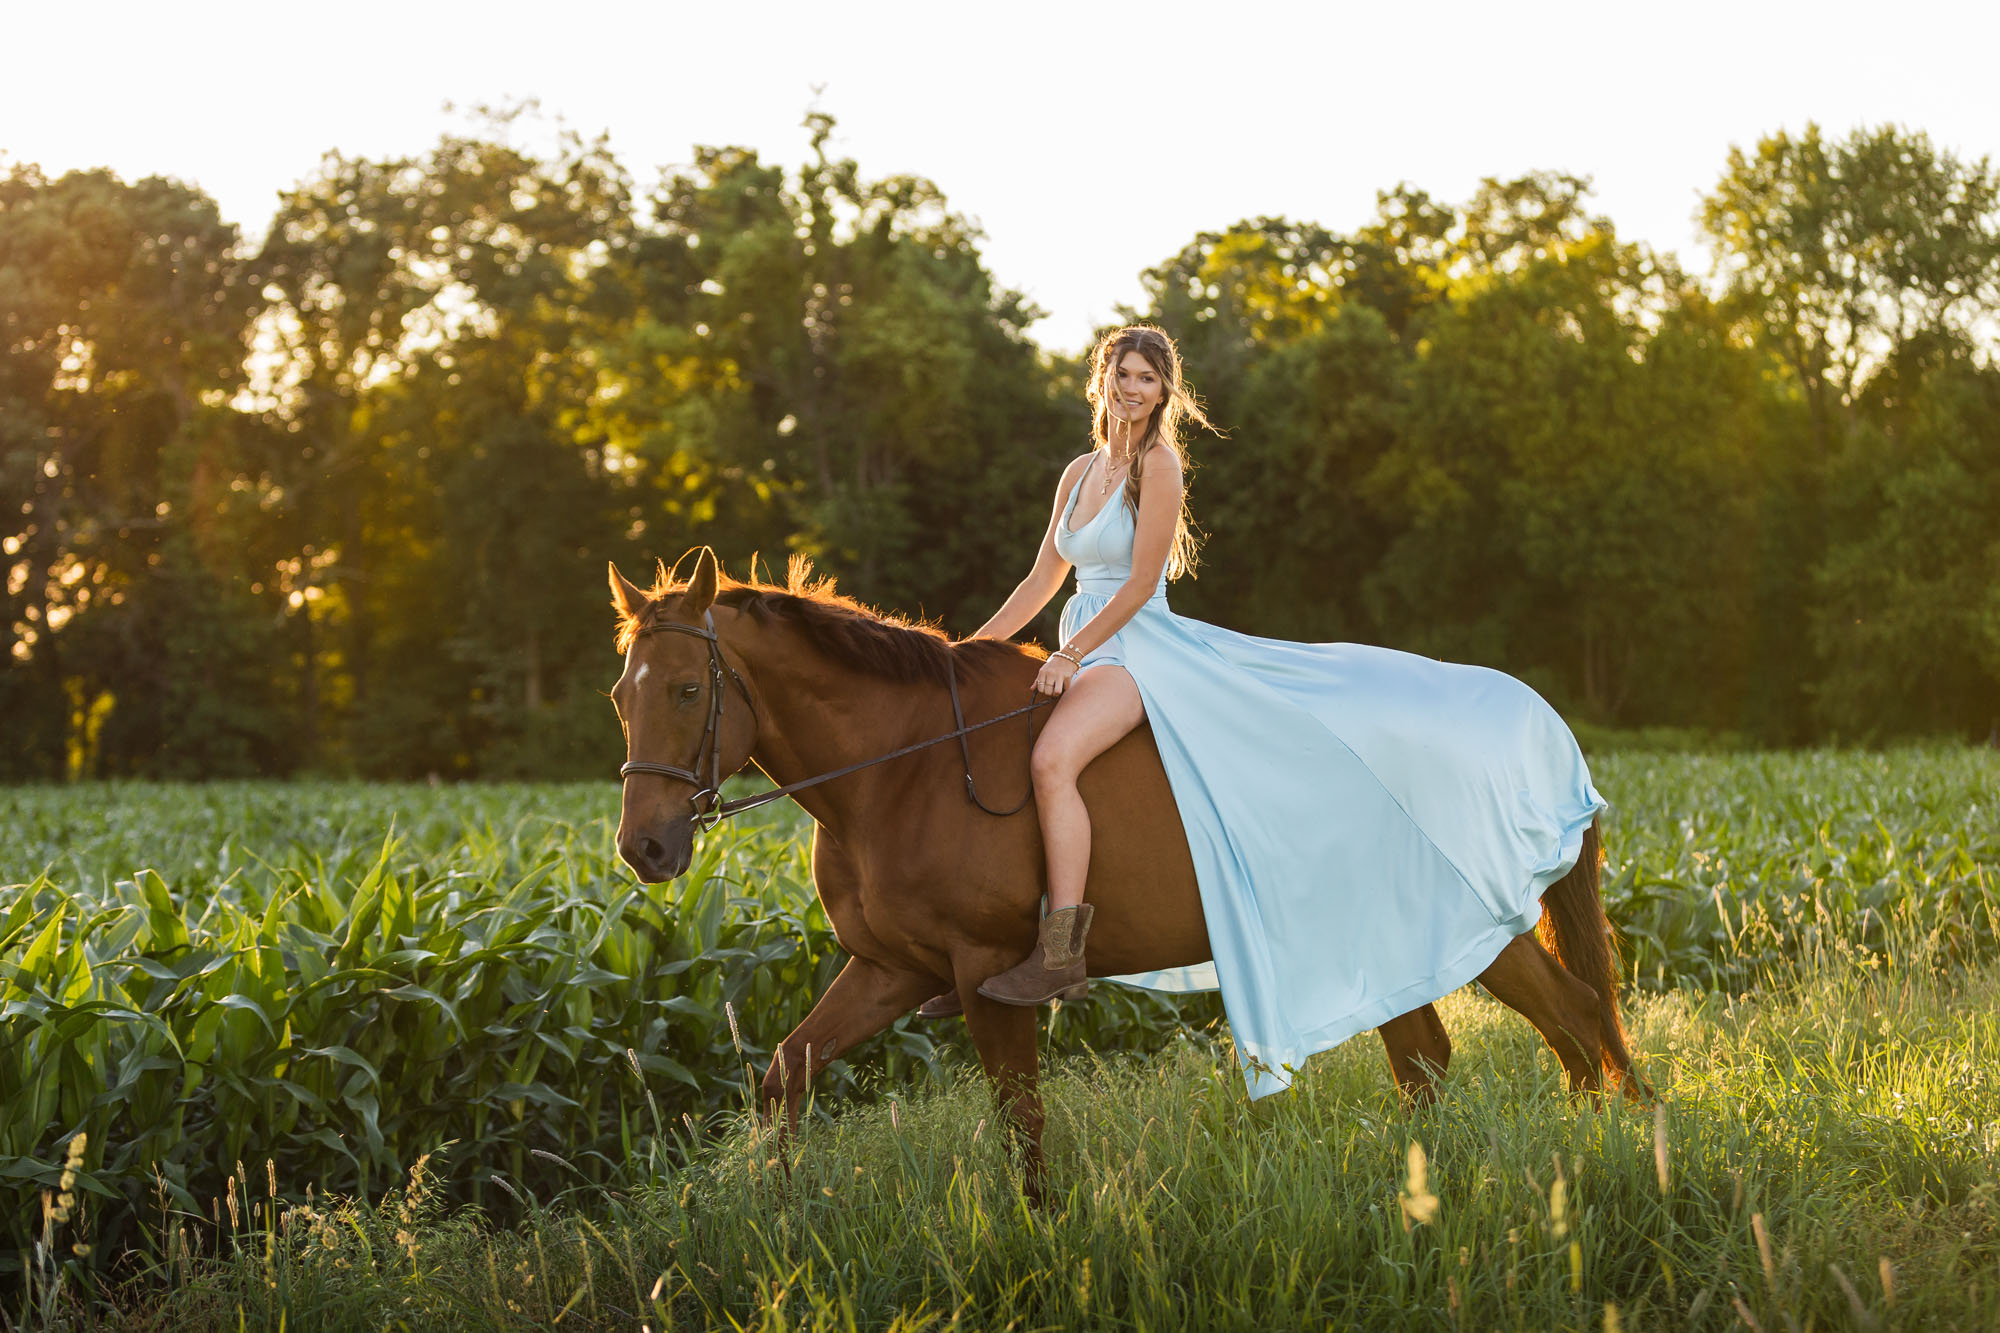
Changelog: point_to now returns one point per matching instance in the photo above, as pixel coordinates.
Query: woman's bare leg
(1098, 709)
(1100, 705)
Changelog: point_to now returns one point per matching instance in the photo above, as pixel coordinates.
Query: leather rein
(708, 752)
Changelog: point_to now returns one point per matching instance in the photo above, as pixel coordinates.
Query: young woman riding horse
(1334, 834)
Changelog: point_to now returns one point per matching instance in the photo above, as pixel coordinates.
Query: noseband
(709, 751)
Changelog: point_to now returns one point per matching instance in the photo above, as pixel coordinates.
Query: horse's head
(681, 736)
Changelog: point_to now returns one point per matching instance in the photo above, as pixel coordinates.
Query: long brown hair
(1177, 405)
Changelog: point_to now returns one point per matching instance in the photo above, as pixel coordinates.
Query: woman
(1369, 828)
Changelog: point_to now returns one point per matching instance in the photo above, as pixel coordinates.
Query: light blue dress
(1369, 827)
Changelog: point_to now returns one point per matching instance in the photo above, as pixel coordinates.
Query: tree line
(340, 501)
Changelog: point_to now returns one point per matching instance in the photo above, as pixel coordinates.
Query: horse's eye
(686, 693)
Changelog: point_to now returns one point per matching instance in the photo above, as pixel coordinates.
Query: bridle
(708, 753)
(710, 748)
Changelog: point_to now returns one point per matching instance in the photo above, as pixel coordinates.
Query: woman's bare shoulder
(1071, 472)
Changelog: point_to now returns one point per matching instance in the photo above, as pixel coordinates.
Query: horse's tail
(1575, 929)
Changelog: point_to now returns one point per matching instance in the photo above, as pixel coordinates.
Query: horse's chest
(861, 912)
(880, 920)
(868, 919)
(889, 902)
(841, 897)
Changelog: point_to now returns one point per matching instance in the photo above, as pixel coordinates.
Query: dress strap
(1076, 489)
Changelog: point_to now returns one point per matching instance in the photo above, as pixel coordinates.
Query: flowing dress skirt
(1369, 827)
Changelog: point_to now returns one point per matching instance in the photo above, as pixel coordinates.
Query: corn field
(316, 984)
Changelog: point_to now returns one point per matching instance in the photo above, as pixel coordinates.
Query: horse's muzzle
(660, 853)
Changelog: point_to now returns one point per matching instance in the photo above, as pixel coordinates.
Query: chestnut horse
(926, 891)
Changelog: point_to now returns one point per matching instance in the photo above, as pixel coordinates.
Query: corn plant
(339, 978)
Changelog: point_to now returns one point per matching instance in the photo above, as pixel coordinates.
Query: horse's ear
(627, 597)
(700, 594)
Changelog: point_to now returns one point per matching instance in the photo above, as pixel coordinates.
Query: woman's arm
(1045, 580)
(1153, 538)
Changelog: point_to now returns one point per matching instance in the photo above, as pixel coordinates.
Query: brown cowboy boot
(1053, 969)
(941, 1006)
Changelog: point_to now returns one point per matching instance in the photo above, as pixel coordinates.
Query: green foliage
(1843, 254)
(1908, 617)
(124, 309)
(1822, 1158)
(828, 367)
(1326, 406)
(187, 656)
(1725, 871)
(1597, 465)
(1557, 455)
(338, 979)
(342, 505)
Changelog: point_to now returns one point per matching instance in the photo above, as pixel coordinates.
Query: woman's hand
(1055, 676)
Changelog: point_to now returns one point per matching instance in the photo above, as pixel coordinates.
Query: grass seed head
(1660, 1144)
(73, 1161)
(1862, 1318)
(1419, 1204)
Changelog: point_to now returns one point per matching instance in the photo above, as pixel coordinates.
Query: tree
(1572, 481)
(1857, 265)
(1907, 617)
(1230, 296)
(824, 364)
(1292, 538)
(124, 309)
(449, 482)
(1840, 254)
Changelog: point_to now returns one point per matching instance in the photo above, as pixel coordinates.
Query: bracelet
(1065, 655)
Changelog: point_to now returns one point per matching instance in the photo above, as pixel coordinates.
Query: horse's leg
(865, 998)
(1527, 978)
(1005, 1035)
(1419, 1049)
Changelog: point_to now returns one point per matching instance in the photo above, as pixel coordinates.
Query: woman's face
(1133, 389)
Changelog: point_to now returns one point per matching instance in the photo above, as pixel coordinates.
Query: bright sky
(1090, 141)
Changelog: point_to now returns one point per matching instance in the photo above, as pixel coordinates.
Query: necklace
(1105, 487)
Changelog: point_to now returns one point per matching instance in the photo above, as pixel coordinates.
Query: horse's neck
(816, 716)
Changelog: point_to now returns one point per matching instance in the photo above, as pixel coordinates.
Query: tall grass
(1823, 1157)
(336, 979)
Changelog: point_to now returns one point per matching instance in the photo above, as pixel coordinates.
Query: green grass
(1848, 1119)
(318, 983)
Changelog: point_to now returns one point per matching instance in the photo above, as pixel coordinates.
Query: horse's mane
(877, 643)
